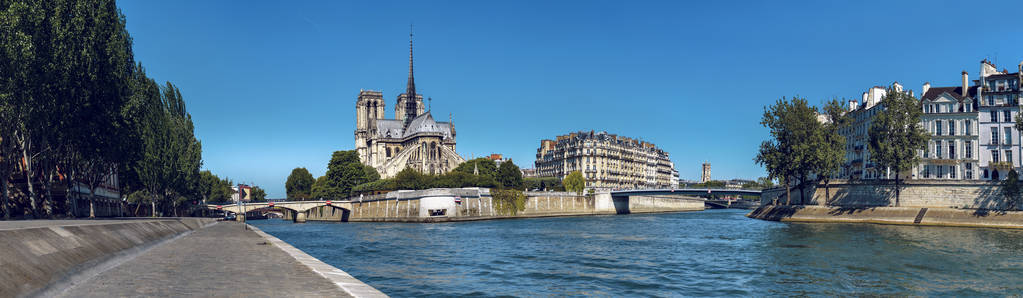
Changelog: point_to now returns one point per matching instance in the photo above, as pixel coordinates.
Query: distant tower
(705, 176)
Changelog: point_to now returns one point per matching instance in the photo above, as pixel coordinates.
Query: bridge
(298, 208)
(700, 192)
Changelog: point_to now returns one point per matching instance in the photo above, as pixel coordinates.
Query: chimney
(927, 86)
(865, 102)
(966, 82)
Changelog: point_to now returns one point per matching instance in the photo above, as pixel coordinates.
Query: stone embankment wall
(914, 193)
(477, 204)
(892, 215)
(35, 258)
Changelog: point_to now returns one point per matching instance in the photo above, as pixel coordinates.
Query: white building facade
(950, 117)
(857, 155)
(998, 94)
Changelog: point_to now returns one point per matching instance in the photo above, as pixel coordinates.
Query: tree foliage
(896, 135)
(76, 109)
(299, 185)
(482, 165)
(543, 183)
(509, 175)
(574, 182)
(213, 189)
(1011, 190)
(258, 194)
(797, 150)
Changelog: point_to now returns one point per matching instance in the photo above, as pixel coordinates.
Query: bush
(545, 183)
(508, 201)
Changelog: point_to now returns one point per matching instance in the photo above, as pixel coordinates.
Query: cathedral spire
(410, 89)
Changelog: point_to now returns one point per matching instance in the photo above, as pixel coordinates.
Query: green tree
(299, 185)
(543, 183)
(482, 165)
(1019, 130)
(1011, 190)
(344, 172)
(790, 153)
(509, 175)
(575, 182)
(896, 135)
(258, 194)
(830, 145)
(319, 189)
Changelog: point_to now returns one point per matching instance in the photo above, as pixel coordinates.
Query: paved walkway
(222, 260)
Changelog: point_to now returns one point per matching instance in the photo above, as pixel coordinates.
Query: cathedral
(412, 140)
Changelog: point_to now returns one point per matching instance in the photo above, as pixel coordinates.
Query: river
(706, 253)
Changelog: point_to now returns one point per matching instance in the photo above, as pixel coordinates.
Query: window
(937, 149)
(969, 171)
(968, 127)
(1008, 135)
(994, 156)
(994, 137)
(994, 116)
(941, 172)
(985, 173)
(969, 149)
(951, 127)
(1008, 156)
(927, 171)
(990, 100)
(952, 172)
(967, 107)
(951, 150)
(937, 128)
(1007, 116)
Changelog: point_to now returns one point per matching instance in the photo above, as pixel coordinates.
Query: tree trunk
(92, 200)
(788, 194)
(827, 192)
(33, 205)
(6, 195)
(153, 204)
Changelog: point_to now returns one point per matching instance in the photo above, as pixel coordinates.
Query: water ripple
(709, 253)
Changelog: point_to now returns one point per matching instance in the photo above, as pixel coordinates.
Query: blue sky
(272, 85)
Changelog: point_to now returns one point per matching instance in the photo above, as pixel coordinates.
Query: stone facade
(412, 140)
(705, 173)
(914, 193)
(950, 117)
(435, 205)
(998, 94)
(857, 156)
(607, 161)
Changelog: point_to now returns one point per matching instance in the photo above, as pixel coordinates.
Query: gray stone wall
(914, 193)
(476, 203)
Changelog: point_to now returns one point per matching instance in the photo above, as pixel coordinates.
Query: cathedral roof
(389, 128)
(425, 124)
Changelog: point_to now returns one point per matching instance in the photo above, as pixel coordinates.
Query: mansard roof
(955, 92)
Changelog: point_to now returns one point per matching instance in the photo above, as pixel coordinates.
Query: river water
(706, 253)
